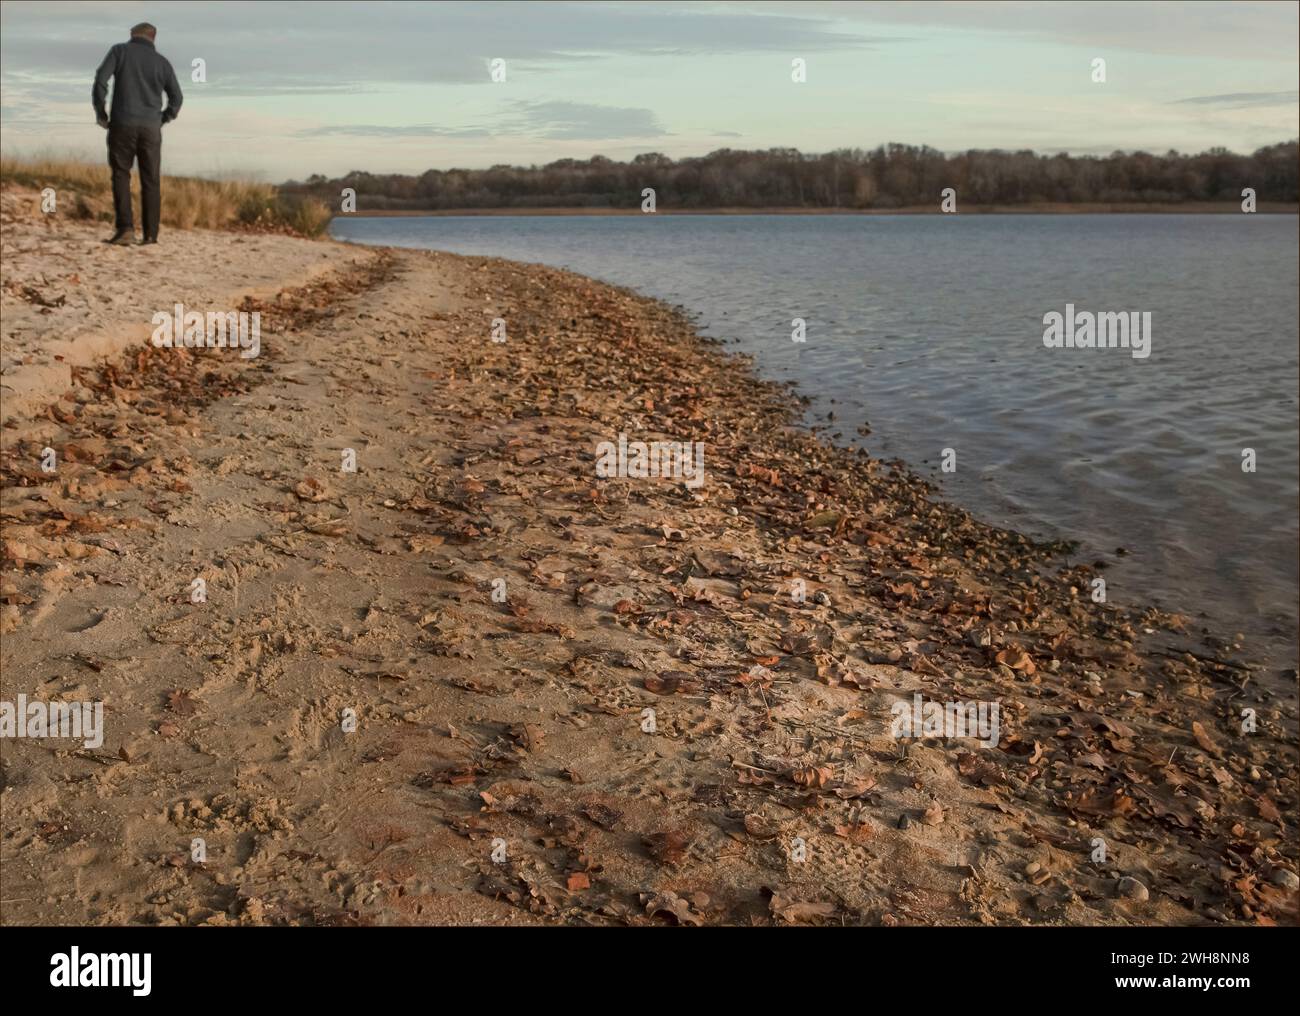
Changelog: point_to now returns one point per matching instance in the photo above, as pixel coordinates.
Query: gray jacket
(141, 75)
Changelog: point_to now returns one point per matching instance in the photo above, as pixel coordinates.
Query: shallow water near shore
(931, 328)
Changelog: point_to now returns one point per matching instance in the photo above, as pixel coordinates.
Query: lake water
(931, 328)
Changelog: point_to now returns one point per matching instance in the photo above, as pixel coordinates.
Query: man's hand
(102, 121)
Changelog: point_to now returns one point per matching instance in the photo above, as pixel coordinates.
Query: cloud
(334, 46)
(580, 121)
(1243, 100)
(555, 120)
(371, 130)
(1236, 30)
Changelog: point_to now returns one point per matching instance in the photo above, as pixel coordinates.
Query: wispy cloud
(574, 121)
(1215, 31)
(372, 130)
(584, 122)
(337, 44)
(1243, 100)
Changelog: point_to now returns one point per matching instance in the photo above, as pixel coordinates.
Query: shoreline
(1162, 565)
(1189, 208)
(524, 719)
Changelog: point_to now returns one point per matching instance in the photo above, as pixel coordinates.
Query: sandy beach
(475, 682)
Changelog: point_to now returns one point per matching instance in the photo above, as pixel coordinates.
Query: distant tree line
(891, 176)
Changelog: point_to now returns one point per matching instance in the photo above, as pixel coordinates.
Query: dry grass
(85, 190)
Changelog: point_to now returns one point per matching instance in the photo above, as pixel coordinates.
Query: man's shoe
(148, 240)
(122, 238)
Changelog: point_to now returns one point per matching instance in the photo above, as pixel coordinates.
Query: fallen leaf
(800, 911)
(1017, 659)
(666, 847)
(602, 814)
(813, 776)
(181, 703)
(311, 489)
(1204, 740)
(759, 827)
(673, 906)
(528, 735)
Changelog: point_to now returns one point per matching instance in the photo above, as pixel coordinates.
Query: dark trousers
(127, 144)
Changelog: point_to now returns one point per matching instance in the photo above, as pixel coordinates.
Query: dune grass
(84, 190)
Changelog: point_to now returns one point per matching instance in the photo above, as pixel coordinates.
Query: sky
(299, 88)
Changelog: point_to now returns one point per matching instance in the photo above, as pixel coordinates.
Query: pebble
(1286, 878)
(823, 598)
(904, 822)
(1133, 889)
(1033, 868)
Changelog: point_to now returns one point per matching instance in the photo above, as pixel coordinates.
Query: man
(141, 75)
